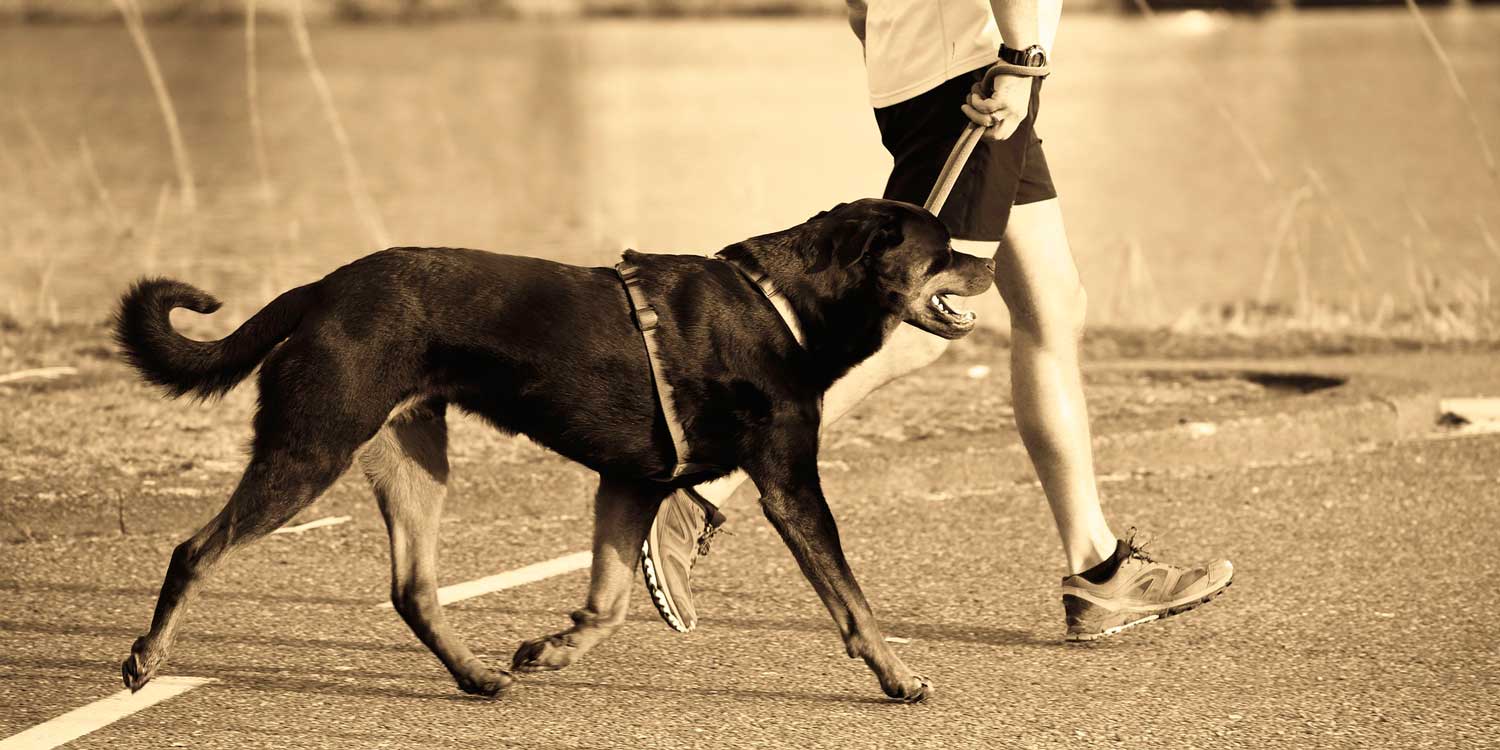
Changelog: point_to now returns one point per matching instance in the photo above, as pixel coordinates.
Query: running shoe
(685, 526)
(1140, 591)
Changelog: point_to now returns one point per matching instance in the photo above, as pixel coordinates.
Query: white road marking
(99, 714)
(310, 525)
(45, 373)
(509, 579)
(1475, 410)
(1482, 415)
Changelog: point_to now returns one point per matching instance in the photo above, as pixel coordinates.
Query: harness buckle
(645, 318)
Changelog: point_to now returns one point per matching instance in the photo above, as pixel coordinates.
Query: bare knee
(1054, 318)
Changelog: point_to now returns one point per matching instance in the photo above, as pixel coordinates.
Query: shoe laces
(706, 539)
(1138, 551)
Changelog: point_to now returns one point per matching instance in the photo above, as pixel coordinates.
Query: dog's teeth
(969, 315)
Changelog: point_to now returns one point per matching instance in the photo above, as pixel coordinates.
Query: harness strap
(762, 281)
(646, 320)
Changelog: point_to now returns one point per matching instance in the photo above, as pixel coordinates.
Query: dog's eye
(940, 262)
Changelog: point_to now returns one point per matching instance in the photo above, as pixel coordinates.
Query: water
(573, 139)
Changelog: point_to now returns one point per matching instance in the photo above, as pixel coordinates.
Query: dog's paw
(490, 683)
(139, 667)
(543, 654)
(915, 690)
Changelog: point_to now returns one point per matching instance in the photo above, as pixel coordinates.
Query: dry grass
(130, 10)
(354, 178)
(252, 96)
(1457, 85)
(66, 189)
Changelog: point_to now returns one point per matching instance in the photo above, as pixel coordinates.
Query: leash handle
(957, 158)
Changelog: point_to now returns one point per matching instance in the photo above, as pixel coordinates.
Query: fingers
(977, 117)
(1005, 129)
(999, 125)
(999, 103)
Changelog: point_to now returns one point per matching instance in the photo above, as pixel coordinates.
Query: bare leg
(622, 513)
(1035, 273)
(1038, 279)
(407, 465)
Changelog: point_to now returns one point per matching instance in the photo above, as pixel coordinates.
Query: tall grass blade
(105, 201)
(130, 10)
(38, 141)
(1488, 237)
(150, 250)
(1283, 233)
(364, 205)
(252, 94)
(10, 160)
(1207, 93)
(1458, 90)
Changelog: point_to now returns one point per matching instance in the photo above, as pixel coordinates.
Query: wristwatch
(1031, 57)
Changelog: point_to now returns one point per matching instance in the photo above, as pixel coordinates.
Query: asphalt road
(1363, 614)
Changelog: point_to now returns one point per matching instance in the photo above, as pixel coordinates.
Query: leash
(947, 178)
(957, 158)
(969, 139)
(646, 319)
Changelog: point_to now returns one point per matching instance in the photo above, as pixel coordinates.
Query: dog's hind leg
(276, 485)
(407, 465)
(623, 512)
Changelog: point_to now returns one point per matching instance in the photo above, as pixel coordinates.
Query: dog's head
(901, 256)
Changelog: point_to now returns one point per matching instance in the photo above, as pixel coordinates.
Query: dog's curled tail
(206, 369)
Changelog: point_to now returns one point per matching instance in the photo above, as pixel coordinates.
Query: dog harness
(646, 320)
(645, 315)
(762, 281)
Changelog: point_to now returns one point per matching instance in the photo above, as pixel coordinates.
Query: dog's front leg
(622, 514)
(792, 499)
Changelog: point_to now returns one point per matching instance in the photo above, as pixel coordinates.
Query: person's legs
(1112, 584)
(1005, 191)
(1035, 273)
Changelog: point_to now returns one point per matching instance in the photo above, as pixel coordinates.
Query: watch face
(1031, 57)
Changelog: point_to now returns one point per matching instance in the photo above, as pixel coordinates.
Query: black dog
(365, 361)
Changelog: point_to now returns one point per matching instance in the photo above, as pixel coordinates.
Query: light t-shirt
(912, 46)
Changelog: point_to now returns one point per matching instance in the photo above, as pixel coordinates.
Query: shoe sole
(1176, 610)
(659, 593)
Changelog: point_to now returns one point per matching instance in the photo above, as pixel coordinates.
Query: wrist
(1029, 56)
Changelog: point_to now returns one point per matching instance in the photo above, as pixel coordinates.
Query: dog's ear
(844, 240)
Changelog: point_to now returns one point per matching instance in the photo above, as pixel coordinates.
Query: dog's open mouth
(940, 316)
(941, 303)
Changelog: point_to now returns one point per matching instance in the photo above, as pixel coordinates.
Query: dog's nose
(990, 264)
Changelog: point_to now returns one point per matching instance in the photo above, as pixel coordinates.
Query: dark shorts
(920, 132)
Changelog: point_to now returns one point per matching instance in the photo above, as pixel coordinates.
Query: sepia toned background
(1286, 212)
(1316, 166)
